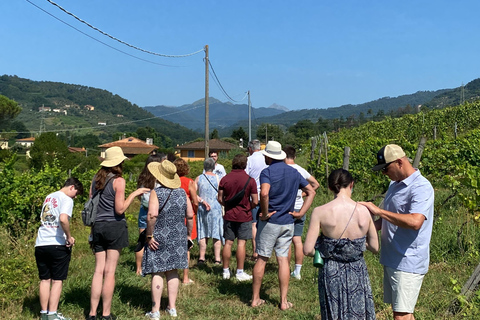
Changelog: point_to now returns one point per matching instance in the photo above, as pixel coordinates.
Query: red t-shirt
(233, 183)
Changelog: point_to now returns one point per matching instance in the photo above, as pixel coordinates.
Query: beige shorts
(401, 289)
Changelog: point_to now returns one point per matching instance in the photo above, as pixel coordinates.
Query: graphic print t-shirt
(50, 231)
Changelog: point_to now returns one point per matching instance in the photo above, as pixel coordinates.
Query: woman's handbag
(317, 259)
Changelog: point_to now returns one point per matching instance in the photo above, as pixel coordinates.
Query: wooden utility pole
(418, 155)
(249, 118)
(346, 158)
(207, 129)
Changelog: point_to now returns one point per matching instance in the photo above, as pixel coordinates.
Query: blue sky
(299, 54)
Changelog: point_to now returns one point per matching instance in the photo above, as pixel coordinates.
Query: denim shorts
(53, 261)
(110, 235)
(299, 224)
(142, 218)
(255, 213)
(273, 236)
(401, 289)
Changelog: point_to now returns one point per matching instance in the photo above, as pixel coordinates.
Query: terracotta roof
(74, 149)
(26, 139)
(214, 144)
(131, 145)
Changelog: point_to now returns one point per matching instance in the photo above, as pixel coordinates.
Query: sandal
(200, 262)
(218, 262)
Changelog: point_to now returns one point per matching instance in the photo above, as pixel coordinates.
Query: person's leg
(97, 282)
(139, 257)
(254, 236)
(202, 246)
(186, 279)
(172, 287)
(111, 261)
(157, 289)
(227, 253)
(283, 279)
(403, 316)
(240, 253)
(44, 293)
(55, 293)
(217, 250)
(258, 272)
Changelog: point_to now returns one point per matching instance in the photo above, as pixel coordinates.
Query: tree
(9, 109)
(214, 134)
(240, 134)
(46, 148)
(303, 129)
(269, 131)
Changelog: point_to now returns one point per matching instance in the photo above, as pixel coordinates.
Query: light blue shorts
(401, 289)
(273, 236)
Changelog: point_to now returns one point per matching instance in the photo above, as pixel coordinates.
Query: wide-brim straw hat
(166, 173)
(274, 150)
(113, 157)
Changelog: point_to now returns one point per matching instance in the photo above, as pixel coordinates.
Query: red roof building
(130, 146)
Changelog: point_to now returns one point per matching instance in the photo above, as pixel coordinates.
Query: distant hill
(386, 104)
(221, 114)
(469, 92)
(69, 100)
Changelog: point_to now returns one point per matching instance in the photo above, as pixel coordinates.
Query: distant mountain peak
(279, 107)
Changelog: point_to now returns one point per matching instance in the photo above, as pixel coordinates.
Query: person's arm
(307, 202)
(264, 199)
(313, 182)
(65, 223)
(372, 238)
(152, 214)
(122, 204)
(193, 195)
(253, 200)
(412, 221)
(220, 197)
(200, 200)
(189, 217)
(312, 233)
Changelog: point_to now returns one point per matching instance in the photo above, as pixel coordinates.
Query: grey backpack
(89, 212)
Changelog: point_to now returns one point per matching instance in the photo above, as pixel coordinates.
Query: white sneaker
(296, 276)
(226, 275)
(244, 276)
(172, 312)
(153, 315)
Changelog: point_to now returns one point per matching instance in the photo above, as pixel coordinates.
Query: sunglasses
(385, 169)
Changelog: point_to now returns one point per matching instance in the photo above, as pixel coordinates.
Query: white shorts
(271, 237)
(401, 289)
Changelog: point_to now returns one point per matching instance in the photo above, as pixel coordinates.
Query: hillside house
(74, 149)
(195, 151)
(3, 143)
(44, 109)
(89, 107)
(26, 142)
(130, 146)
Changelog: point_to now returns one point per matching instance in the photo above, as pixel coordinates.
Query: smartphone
(189, 244)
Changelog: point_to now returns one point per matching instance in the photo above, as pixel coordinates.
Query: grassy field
(454, 257)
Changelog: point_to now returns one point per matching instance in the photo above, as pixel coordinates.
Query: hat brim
(281, 156)
(379, 167)
(112, 162)
(154, 168)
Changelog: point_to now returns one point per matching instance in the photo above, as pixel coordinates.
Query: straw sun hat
(113, 157)
(166, 173)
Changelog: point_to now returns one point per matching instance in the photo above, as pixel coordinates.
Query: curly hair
(182, 167)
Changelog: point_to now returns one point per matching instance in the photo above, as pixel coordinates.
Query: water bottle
(317, 259)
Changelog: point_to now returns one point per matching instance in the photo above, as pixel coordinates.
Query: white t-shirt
(306, 175)
(50, 231)
(255, 165)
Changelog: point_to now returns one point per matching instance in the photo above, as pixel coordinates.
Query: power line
(105, 44)
(123, 42)
(221, 87)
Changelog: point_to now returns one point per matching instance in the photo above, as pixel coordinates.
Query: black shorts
(240, 230)
(53, 262)
(110, 235)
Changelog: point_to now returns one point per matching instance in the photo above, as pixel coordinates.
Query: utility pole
(206, 103)
(249, 118)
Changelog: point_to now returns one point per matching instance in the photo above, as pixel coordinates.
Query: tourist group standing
(264, 199)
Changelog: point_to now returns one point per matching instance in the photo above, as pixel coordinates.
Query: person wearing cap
(279, 184)
(53, 246)
(167, 235)
(406, 223)
(109, 234)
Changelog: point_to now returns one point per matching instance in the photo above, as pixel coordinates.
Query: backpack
(89, 212)
(235, 200)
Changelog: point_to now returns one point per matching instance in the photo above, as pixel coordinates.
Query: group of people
(264, 198)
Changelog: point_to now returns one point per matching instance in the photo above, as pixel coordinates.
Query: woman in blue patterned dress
(166, 249)
(209, 214)
(347, 231)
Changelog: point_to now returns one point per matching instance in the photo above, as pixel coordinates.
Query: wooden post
(346, 158)
(320, 151)
(313, 141)
(326, 157)
(418, 155)
(455, 130)
(435, 133)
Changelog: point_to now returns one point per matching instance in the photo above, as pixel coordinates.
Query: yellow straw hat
(166, 173)
(113, 157)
